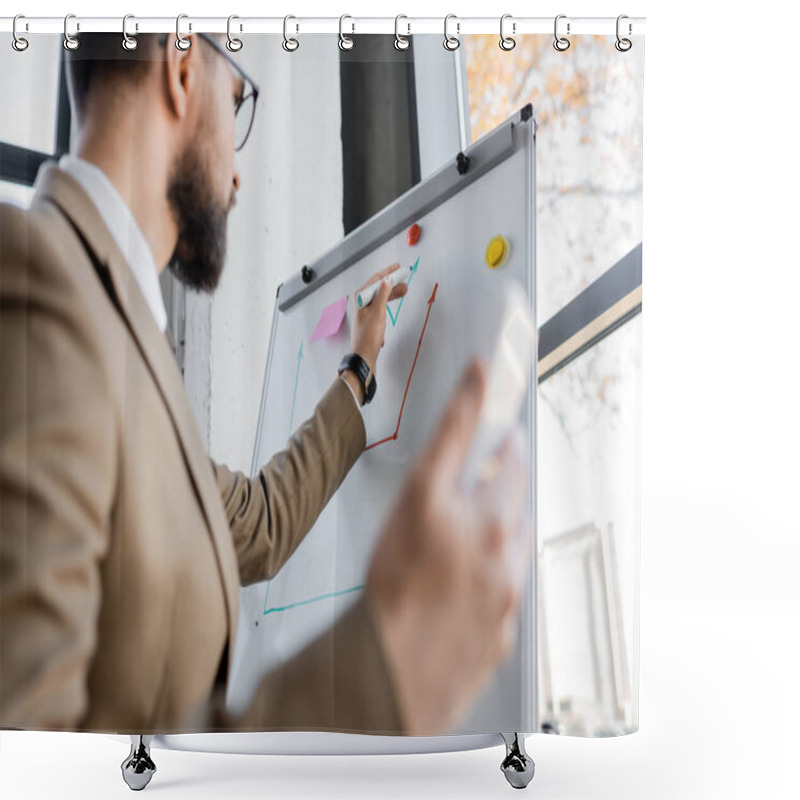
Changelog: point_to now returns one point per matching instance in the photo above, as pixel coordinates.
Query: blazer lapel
(61, 188)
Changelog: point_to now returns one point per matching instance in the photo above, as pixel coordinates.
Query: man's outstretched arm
(270, 514)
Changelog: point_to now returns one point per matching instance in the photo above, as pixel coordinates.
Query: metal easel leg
(138, 768)
(517, 766)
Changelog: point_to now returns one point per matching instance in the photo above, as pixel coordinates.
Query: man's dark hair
(101, 57)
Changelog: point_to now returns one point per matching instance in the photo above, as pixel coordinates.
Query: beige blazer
(122, 545)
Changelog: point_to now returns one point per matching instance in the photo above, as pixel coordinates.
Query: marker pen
(366, 296)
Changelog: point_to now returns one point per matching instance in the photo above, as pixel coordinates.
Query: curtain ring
(129, 42)
(400, 42)
(560, 43)
(345, 42)
(623, 45)
(233, 44)
(70, 42)
(506, 42)
(451, 43)
(289, 45)
(182, 42)
(18, 43)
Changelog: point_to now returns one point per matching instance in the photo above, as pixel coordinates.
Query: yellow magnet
(496, 252)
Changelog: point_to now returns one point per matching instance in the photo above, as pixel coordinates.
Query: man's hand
(440, 579)
(369, 326)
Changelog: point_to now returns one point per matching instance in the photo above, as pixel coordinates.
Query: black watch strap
(355, 363)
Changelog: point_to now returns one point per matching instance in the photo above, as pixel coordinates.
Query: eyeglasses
(245, 104)
(245, 107)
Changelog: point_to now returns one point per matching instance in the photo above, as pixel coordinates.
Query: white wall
(288, 211)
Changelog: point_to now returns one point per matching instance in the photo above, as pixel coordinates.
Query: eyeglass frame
(247, 79)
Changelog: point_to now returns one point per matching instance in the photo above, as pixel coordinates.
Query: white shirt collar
(124, 228)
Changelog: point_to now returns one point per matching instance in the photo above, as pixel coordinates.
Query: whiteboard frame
(484, 155)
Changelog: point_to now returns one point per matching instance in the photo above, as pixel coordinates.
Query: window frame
(21, 164)
(597, 311)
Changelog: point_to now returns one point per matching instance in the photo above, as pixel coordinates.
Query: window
(33, 84)
(587, 104)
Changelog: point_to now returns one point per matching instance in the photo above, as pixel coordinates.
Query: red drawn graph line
(393, 437)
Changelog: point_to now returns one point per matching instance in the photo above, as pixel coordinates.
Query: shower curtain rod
(403, 25)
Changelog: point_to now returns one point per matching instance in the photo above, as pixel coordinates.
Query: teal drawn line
(394, 316)
(307, 602)
(296, 379)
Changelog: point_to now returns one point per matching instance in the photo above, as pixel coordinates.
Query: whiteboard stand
(503, 160)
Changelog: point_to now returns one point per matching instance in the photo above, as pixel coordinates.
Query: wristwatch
(355, 363)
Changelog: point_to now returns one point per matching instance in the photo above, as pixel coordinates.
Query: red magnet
(413, 234)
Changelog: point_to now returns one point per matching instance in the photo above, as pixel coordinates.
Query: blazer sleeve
(270, 514)
(340, 682)
(58, 470)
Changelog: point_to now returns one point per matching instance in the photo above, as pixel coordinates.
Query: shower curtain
(138, 541)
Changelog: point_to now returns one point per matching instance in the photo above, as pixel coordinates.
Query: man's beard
(199, 255)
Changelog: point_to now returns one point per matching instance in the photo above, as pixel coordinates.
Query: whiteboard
(430, 335)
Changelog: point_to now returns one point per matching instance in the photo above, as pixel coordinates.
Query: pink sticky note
(331, 320)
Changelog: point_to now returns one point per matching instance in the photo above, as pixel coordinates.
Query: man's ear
(182, 76)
